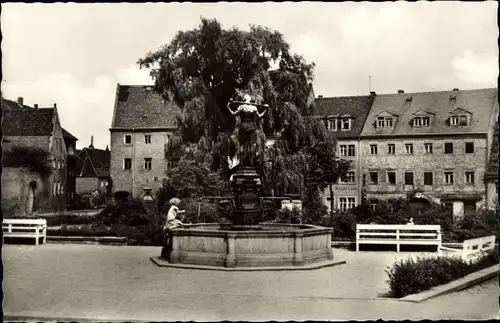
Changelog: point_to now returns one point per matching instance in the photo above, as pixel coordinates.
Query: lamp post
(331, 206)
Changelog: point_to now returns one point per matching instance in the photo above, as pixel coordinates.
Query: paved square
(117, 282)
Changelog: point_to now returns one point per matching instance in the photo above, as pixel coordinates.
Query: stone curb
(347, 243)
(163, 263)
(455, 286)
(88, 240)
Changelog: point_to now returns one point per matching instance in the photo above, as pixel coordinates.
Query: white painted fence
(472, 249)
(25, 228)
(399, 234)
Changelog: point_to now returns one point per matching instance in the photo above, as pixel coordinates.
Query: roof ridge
(431, 92)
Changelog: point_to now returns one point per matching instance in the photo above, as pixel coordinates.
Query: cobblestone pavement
(117, 282)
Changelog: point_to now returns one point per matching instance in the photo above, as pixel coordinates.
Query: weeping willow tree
(202, 69)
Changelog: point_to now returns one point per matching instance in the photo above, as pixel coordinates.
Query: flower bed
(410, 276)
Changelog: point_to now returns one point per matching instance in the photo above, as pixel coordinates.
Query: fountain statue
(247, 242)
(245, 181)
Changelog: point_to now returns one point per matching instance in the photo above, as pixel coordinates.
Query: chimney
(320, 96)
(455, 89)
(107, 148)
(20, 100)
(55, 105)
(401, 91)
(35, 106)
(91, 142)
(373, 93)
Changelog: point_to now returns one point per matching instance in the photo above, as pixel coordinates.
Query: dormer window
(332, 124)
(384, 122)
(460, 117)
(346, 124)
(421, 122)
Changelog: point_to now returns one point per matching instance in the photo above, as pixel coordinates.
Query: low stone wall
(260, 246)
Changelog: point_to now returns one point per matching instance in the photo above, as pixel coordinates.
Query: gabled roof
(355, 106)
(385, 113)
(480, 102)
(460, 110)
(28, 122)
(93, 162)
(67, 135)
(139, 106)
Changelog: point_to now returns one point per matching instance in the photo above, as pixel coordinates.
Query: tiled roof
(92, 162)
(28, 122)
(356, 106)
(139, 106)
(67, 135)
(9, 105)
(440, 105)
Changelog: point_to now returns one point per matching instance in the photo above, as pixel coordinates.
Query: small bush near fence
(411, 276)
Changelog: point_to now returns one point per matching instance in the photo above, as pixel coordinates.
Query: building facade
(344, 117)
(70, 142)
(93, 169)
(141, 127)
(34, 128)
(429, 147)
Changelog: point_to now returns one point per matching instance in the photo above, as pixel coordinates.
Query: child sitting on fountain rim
(173, 213)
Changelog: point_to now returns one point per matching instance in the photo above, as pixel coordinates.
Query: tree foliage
(202, 69)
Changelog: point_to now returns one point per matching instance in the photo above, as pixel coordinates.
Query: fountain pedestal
(247, 190)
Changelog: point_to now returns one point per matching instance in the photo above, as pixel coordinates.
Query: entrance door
(31, 198)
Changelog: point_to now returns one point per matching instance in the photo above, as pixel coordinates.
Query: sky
(75, 54)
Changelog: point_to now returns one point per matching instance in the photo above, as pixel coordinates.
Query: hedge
(411, 276)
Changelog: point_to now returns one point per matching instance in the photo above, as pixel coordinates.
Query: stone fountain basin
(262, 245)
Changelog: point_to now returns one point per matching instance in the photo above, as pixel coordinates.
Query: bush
(410, 276)
(130, 213)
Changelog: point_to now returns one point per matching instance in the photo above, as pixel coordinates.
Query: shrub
(34, 159)
(130, 213)
(410, 276)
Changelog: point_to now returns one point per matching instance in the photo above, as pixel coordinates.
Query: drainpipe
(133, 163)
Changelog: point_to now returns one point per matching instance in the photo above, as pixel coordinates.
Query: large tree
(202, 69)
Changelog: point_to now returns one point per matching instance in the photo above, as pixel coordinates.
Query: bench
(25, 228)
(398, 234)
(473, 249)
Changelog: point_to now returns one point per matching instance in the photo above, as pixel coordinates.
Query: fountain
(247, 243)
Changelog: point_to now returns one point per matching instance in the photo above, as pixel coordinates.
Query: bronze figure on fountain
(245, 180)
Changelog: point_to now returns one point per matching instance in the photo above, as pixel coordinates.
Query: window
(428, 178)
(391, 178)
(147, 163)
(428, 148)
(384, 122)
(343, 150)
(462, 120)
(408, 178)
(351, 177)
(469, 178)
(351, 202)
(346, 203)
(346, 124)
(449, 206)
(127, 139)
(147, 139)
(426, 121)
(391, 149)
(454, 120)
(156, 178)
(469, 147)
(343, 203)
(373, 178)
(469, 207)
(347, 150)
(409, 149)
(373, 149)
(448, 148)
(127, 163)
(380, 122)
(374, 206)
(417, 122)
(61, 189)
(351, 150)
(448, 178)
(332, 124)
